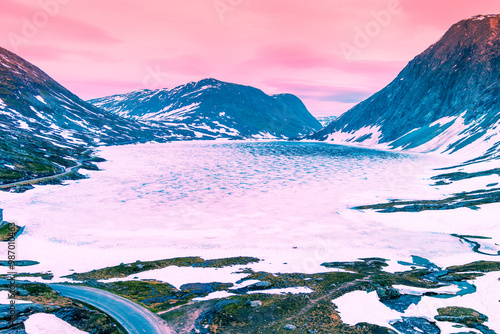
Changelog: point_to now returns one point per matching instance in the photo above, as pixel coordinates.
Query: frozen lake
(279, 201)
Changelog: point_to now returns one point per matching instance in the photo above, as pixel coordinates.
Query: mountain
(35, 104)
(447, 99)
(216, 109)
(325, 120)
(45, 129)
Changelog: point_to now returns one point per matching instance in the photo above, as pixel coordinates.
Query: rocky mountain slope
(33, 103)
(447, 99)
(44, 128)
(216, 109)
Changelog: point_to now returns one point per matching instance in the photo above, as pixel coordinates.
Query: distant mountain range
(213, 108)
(45, 129)
(447, 99)
(325, 120)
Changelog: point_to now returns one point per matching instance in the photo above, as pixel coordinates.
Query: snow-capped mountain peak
(216, 106)
(445, 100)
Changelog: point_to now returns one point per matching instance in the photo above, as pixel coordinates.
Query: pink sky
(101, 47)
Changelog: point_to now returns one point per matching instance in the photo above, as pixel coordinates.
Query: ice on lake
(286, 203)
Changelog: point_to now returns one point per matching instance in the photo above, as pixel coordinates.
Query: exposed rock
(387, 292)
(89, 321)
(460, 315)
(23, 311)
(17, 329)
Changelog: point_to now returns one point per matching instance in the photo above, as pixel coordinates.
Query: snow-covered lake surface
(286, 203)
(155, 201)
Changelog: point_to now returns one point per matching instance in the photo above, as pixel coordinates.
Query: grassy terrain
(307, 313)
(6, 233)
(257, 312)
(275, 314)
(124, 270)
(448, 178)
(470, 199)
(42, 159)
(479, 266)
(45, 276)
(291, 313)
(461, 315)
(464, 316)
(44, 295)
(157, 296)
(46, 300)
(33, 157)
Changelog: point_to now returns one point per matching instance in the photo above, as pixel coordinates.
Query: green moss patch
(461, 315)
(46, 300)
(8, 230)
(124, 270)
(470, 199)
(158, 296)
(278, 314)
(479, 266)
(456, 176)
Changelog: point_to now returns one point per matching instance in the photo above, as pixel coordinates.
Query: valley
(222, 209)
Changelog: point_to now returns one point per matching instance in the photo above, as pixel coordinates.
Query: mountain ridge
(44, 128)
(244, 111)
(445, 100)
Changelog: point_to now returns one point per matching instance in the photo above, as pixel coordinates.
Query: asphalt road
(134, 318)
(45, 178)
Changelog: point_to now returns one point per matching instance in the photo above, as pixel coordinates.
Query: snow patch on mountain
(39, 98)
(367, 136)
(166, 113)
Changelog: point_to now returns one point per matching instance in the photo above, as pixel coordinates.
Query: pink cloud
(97, 47)
(90, 89)
(28, 25)
(313, 88)
(15, 9)
(81, 31)
(291, 56)
(189, 64)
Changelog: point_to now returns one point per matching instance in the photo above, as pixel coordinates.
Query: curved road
(45, 178)
(134, 318)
